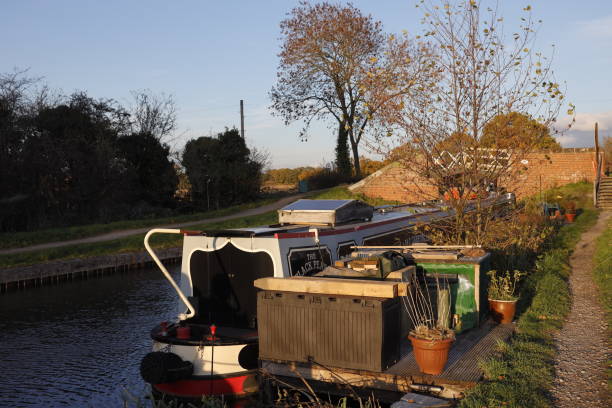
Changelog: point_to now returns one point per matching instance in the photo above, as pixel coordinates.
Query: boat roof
(384, 214)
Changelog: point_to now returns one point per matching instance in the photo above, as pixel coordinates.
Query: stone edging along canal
(22, 277)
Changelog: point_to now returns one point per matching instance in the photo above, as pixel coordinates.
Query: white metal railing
(191, 310)
(488, 158)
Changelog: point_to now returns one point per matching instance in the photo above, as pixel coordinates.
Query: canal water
(79, 344)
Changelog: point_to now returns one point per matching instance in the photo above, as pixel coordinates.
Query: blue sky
(211, 54)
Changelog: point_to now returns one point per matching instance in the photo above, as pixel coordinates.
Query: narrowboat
(212, 347)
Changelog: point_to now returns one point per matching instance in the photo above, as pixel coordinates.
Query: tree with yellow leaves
(337, 64)
(516, 130)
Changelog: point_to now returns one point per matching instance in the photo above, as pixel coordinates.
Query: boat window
(223, 285)
(344, 248)
(397, 237)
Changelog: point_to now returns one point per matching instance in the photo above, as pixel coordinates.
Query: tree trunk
(355, 149)
(343, 162)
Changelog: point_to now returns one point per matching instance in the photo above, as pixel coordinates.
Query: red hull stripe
(188, 232)
(195, 388)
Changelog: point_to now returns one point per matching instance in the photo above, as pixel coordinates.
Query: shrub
(322, 177)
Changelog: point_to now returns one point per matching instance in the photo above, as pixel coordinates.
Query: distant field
(276, 187)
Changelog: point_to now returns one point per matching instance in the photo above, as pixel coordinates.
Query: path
(582, 342)
(125, 233)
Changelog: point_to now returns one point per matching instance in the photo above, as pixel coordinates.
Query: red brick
(553, 169)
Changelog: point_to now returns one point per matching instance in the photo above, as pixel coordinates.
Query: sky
(209, 54)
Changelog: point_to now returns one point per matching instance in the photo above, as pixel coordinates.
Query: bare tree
(17, 92)
(330, 58)
(479, 74)
(17, 89)
(153, 113)
(262, 157)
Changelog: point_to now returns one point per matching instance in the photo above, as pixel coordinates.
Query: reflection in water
(76, 344)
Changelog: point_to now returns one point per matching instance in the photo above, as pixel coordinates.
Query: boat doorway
(222, 283)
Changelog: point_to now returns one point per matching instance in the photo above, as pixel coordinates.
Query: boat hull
(223, 365)
(229, 386)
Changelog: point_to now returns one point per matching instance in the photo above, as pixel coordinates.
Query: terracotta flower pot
(502, 310)
(570, 217)
(431, 355)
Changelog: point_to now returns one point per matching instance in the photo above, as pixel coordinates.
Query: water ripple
(77, 344)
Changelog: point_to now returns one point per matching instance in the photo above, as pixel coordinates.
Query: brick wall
(395, 183)
(547, 170)
(538, 170)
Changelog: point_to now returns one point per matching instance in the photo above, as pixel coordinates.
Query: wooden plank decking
(462, 370)
(467, 351)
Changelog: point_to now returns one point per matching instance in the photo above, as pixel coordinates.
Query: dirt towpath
(582, 342)
(126, 233)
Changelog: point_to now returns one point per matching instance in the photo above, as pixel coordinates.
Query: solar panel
(316, 205)
(327, 212)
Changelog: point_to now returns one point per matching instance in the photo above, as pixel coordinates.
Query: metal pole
(207, 194)
(597, 168)
(242, 118)
(597, 141)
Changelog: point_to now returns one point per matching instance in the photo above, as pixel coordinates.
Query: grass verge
(134, 243)
(602, 272)
(343, 193)
(580, 193)
(23, 239)
(522, 373)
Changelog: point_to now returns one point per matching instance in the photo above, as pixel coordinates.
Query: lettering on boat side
(307, 261)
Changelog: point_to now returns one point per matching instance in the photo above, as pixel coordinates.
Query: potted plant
(570, 211)
(431, 337)
(502, 294)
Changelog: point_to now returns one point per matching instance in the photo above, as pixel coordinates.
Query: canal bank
(24, 277)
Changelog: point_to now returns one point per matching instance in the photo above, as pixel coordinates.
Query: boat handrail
(420, 247)
(191, 312)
